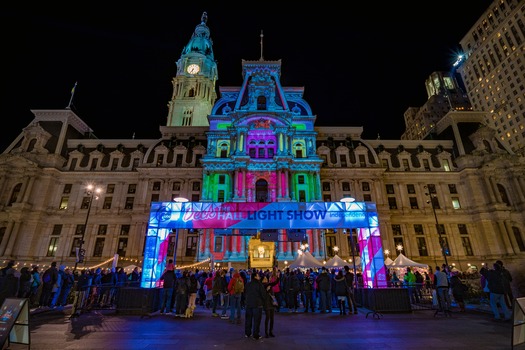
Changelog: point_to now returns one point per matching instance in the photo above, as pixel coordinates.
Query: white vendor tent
(388, 261)
(336, 261)
(403, 261)
(305, 260)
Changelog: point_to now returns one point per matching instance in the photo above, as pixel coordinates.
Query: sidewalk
(106, 329)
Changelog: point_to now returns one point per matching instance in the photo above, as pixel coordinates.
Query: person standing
(269, 309)
(458, 290)
(341, 292)
(441, 284)
(10, 281)
(235, 297)
(497, 293)
(410, 281)
(49, 278)
(168, 277)
(323, 286)
(507, 279)
(254, 293)
(25, 283)
(308, 290)
(349, 278)
(35, 285)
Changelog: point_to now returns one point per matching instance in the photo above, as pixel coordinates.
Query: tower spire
(262, 58)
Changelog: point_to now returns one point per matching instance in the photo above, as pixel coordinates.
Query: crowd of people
(448, 284)
(54, 287)
(258, 292)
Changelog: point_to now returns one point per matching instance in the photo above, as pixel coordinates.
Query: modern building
(493, 70)
(461, 193)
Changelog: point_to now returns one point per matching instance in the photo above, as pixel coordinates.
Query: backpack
(238, 286)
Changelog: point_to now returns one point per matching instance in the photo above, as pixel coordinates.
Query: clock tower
(194, 85)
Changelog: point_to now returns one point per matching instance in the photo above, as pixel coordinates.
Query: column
(12, 239)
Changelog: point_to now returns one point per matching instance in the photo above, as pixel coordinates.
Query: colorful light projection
(166, 216)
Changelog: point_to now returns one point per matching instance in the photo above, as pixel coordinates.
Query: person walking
(254, 293)
(497, 293)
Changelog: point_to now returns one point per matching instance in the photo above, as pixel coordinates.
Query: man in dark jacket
(254, 293)
(497, 293)
(48, 283)
(349, 278)
(169, 278)
(324, 288)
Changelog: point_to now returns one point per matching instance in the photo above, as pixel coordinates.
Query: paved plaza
(106, 329)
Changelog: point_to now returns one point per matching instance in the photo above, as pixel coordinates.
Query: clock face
(193, 69)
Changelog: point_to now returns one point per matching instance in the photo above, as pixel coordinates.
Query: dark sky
(363, 66)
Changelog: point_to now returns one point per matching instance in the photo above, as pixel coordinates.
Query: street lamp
(323, 234)
(177, 200)
(92, 191)
(432, 198)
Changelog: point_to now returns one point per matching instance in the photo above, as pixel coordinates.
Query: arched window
(15, 193)
(503, 194)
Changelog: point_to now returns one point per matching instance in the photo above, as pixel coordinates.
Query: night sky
(358, 67)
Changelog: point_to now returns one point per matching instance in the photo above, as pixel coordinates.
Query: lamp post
(432, 197)
(177, 200)
(323, 234)
(92, 191)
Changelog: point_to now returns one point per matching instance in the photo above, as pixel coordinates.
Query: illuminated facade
(256, 143)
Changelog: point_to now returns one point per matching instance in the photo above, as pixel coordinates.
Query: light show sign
(278, 215)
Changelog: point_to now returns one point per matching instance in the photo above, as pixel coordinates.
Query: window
(426, 164)
(196, 186)
(455, 203)
(102, 229)
(79, 230)
(107, 203)
(418, 229)
(300, 179)
(392, 204)
(422, 246)
(57, 229)
(467, 247)
(222, 179)
(122, 246)
(411, 189)
(176, 186)
(110, 188)
(431, 188)
(405, 165)
(398, 244)
(156, 186)
(446, 166)
(327, 198)
(396, 230)
(367, 197)
(413, 203)
(342, 161)
(67, 188)
(390, 189)
(132, 188)
(462, 229)
(195, 197)
(220, 196)
(346, 186)
(452, 188)
(129, 203)
(178, 160)
(362, 161)
(52, 247)
(326, 186)
(365, 186)
(124, 230)
(517, 236)
(74, 246)
(64, 201)
(155, 197)
(85, 202)
(218, 244)
(99, 247)
(191, 246)
(444, 246)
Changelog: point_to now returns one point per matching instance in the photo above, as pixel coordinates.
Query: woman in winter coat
(340, 291)
(458, 291)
